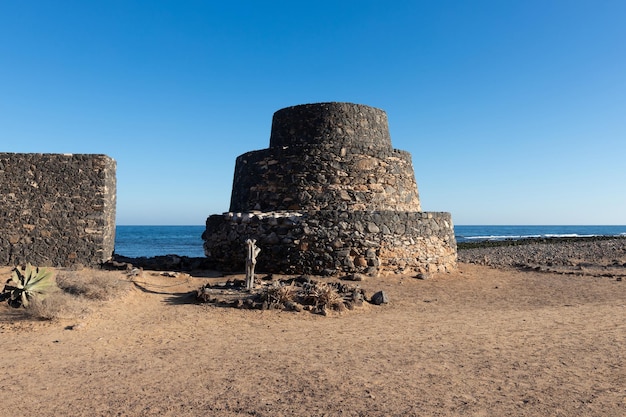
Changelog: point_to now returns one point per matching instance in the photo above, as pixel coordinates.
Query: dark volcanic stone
(291, 306)
(354, 277)
(380, 298)
(56, 209)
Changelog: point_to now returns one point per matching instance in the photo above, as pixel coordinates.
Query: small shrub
(278, 293)
(329, 297)
(72, 294)
(93, 285)
(322, 295)
(57, 305)
(76, 295)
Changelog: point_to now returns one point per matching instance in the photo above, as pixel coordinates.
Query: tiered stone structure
(56, 210)
(330, 195)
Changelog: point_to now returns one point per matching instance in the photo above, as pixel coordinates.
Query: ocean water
(478, 233)
(136, 241)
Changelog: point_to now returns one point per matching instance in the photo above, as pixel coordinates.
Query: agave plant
(24, 285)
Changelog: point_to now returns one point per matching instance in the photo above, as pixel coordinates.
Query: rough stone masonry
(56, 209)
(330, 195)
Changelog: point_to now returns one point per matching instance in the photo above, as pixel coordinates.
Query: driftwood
(252, 253)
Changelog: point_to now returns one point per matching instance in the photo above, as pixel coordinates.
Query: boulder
(379, 298)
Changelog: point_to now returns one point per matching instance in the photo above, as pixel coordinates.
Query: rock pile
(580, 256)
(293, 294)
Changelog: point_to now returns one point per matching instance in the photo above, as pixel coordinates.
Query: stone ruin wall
(330, 195)
(324, 180)
(333, 156)
(327, 242)
(57, 209)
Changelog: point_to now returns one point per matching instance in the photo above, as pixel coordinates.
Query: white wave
(500, 237)
(533, 236)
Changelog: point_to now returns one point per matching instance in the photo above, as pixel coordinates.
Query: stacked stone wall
(341, 124)
(324, 178)
(57, 210)
(332, 242)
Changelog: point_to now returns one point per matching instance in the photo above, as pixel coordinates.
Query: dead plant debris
(292, 294)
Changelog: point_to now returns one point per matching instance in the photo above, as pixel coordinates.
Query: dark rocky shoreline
(597, 256)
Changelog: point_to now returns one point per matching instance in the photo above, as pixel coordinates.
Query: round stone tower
(330, 194)
(328, 156)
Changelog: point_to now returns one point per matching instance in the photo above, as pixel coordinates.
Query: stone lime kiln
(330, 195)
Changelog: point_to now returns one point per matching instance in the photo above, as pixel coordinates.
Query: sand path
(479, 342)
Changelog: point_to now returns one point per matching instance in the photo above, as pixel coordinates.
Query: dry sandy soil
(478, 342)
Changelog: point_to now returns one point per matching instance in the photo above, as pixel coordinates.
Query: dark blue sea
(136, 241)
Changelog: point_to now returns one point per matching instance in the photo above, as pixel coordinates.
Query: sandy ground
(479, 342)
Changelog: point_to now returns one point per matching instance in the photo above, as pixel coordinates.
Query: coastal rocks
(160, 263)
(593, 256)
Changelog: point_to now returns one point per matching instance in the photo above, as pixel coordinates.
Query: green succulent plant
(26, 284)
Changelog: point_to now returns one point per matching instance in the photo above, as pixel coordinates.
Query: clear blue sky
(514, 111)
